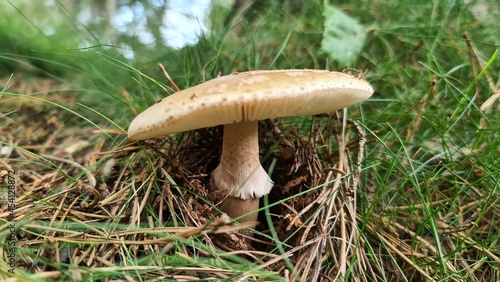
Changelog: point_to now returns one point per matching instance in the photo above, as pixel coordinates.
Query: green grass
(426, 204)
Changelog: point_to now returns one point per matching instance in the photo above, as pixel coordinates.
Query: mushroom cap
(250, 96)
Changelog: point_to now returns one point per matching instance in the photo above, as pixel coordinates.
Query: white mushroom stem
(240, 174)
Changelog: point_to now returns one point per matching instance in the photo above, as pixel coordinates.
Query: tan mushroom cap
(250, 96)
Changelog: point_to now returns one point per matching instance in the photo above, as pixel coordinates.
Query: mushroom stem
(240, 174)
(235, 207)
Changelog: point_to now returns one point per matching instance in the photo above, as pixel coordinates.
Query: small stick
(165, 73)
(361, 152)
(475, 52)
(474, 55)
(424, 102)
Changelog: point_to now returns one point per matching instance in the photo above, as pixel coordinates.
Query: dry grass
(86, 203)
(89, 204)
(414, 198)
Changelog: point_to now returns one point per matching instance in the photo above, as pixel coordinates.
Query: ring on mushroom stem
(238, 101)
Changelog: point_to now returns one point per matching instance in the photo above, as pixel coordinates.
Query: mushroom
(238, 101)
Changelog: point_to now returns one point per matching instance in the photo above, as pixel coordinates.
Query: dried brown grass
(150, 198)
